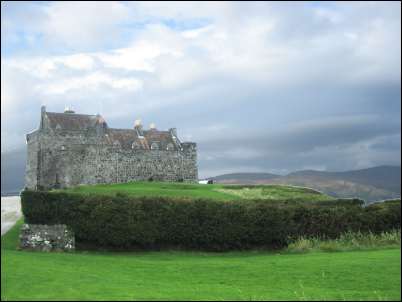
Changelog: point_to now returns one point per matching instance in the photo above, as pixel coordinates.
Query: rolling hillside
(372, 184)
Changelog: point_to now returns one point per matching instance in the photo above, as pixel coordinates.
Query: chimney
(137, 123)
(68, 110)
(173, 132)
(42, 116)
(138, 128)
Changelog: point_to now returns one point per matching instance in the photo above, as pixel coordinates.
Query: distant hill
(384, 177)
(12, 171)
(244, 178)
(372, 184)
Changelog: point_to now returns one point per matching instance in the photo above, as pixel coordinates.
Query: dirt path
(10, 212)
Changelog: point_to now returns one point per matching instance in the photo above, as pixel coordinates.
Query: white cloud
(78, 61)
(139, 57)
(174, 57)
(83, 23)
(91, 81)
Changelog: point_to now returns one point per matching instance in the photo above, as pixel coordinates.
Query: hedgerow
(160, 222)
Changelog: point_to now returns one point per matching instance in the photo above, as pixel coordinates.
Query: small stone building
(70, 149)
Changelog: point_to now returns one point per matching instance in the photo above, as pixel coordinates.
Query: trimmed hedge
(159, 222)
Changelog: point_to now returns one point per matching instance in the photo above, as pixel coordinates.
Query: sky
(260, 86)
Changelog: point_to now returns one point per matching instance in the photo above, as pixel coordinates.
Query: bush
(160, 222)
(347, 241)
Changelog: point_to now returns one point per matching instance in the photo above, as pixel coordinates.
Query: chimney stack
(137, 123)
(173, 132)
(68, 110)
(42, 116)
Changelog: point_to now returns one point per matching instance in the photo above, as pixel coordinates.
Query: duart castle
(70, 149)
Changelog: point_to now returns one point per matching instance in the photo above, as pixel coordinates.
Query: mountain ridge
(371, 184)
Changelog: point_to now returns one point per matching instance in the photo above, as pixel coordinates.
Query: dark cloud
(262, 87)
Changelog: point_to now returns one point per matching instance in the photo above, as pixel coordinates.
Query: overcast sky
(260, 86)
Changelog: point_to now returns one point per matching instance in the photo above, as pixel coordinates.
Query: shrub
(347, 241)
(160, 222)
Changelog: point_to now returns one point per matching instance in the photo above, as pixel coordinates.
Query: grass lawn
(253, 275)
(215, 191)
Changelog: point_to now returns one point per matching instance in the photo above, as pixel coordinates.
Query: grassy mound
(172, 275)
(215, 191)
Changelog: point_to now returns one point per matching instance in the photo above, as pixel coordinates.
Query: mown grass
(164, 189)
(215, 191)
(348, 242)
(173, 275)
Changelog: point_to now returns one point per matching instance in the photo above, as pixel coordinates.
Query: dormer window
(154, 146)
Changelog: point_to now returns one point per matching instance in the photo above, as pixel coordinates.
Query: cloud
(89, 82)
(335, 143)
(92, 26)
(259, 85)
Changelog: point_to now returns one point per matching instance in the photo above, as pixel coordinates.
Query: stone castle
(70, 149)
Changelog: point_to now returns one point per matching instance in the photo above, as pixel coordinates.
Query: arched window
(169, 147)
(154, 146)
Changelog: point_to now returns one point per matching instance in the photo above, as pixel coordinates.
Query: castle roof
(126, 138)
(71, 121)
(123, 137)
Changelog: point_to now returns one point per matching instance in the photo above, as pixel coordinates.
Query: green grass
(275, 192)
(348, 242)
(215, 191)
(252, 275)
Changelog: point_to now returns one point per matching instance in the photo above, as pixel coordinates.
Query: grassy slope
(215, 191)
(362, 275)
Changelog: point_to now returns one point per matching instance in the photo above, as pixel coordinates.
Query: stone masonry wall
(31, 171)
(69, 158)
(46, 238)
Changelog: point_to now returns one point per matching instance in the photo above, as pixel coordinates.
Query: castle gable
(163, 139)
(72, 121)
(121, 137)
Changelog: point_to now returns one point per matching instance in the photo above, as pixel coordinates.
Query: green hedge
(159, 222)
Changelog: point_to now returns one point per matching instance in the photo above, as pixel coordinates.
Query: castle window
(169, 147)
(154, 146)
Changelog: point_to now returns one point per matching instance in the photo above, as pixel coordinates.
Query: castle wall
(68, 158)
(31, 171)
